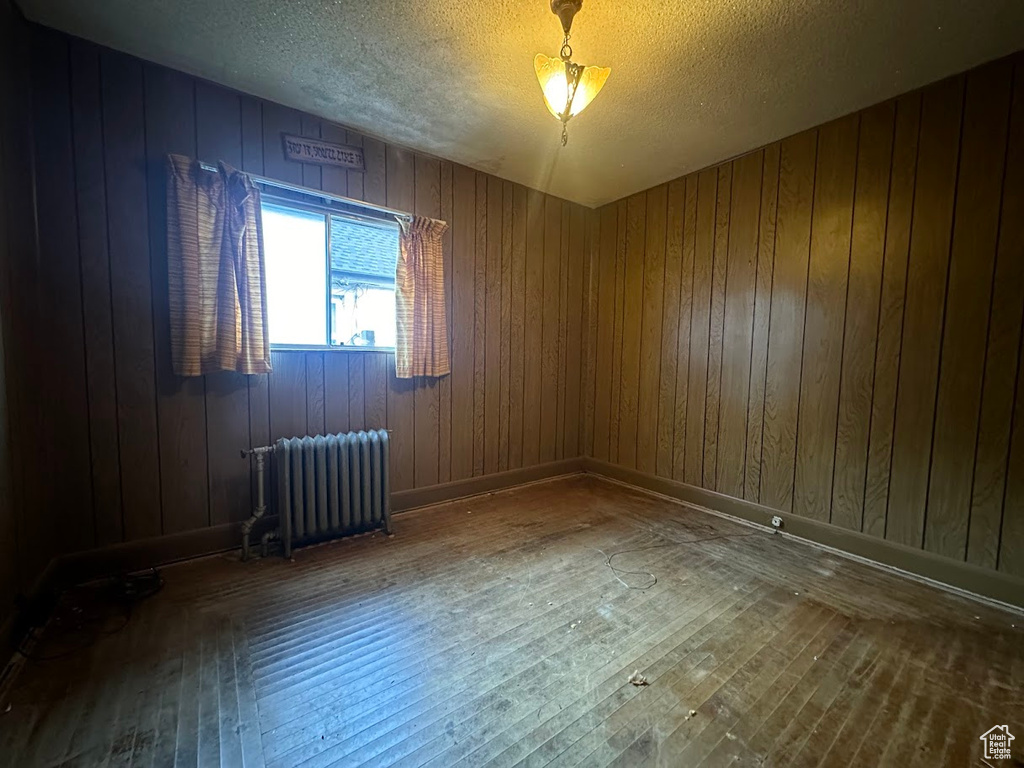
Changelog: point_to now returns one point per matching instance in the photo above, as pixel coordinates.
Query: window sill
(326, 348)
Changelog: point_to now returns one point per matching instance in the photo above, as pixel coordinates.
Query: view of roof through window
(363, 258)
(359, 307)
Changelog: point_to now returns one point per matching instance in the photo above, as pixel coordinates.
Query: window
(330, 276)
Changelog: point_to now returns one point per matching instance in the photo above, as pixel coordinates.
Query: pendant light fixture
(567, 87)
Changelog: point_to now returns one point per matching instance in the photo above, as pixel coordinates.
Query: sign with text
(304, 150)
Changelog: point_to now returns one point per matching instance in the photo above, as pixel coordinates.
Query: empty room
(549, 382)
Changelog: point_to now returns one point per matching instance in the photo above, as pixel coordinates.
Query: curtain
(421, 347)
(215, 270)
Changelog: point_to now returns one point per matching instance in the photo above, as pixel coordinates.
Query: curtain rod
(316, 193)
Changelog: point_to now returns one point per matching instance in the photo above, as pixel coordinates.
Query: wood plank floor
(492, 632)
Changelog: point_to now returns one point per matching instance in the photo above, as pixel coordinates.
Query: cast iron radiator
(332, 485)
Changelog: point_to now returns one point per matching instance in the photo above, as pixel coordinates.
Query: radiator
(332, 485)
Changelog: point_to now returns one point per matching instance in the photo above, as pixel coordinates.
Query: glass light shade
(551, 76)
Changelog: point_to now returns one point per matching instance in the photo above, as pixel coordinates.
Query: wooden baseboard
(76, 568)
(977, 581)
(474, 486)
(131, 556)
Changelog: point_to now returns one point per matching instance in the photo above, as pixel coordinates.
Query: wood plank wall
(24, 546)
(145, 453)
(831, 325)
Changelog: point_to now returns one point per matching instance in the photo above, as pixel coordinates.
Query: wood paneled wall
(23, 551)
(831, 325)
(145, 453)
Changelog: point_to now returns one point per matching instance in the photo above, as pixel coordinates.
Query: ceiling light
(567, 87)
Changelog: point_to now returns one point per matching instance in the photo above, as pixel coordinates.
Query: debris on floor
(637, 679)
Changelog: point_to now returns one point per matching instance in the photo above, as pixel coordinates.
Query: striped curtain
(215, 270)
(421, 348)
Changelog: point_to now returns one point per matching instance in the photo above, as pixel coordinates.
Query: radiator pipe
(261, 505)
(265, 540)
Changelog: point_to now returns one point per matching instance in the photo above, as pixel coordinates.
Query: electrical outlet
(776, 522)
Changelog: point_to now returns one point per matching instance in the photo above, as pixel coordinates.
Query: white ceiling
(692, 82)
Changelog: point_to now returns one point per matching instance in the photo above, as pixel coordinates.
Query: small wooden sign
(303, 150)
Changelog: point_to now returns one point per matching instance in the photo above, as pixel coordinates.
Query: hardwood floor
(492, 631)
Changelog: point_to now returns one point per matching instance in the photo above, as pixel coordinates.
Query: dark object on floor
(86, 613)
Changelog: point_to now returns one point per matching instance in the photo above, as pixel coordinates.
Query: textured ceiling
(692, 82)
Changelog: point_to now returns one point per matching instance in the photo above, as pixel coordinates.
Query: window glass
(360, 297)
(363, 257)
(296, 279)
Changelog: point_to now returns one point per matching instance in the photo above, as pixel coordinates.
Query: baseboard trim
(126, 557)
(79, 567)
(130, 556)
(415, 498)
(965, 577)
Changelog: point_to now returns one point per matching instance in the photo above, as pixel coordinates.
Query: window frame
(278, 196)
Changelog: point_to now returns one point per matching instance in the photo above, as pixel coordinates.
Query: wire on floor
(86, 613)
(652, 579)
